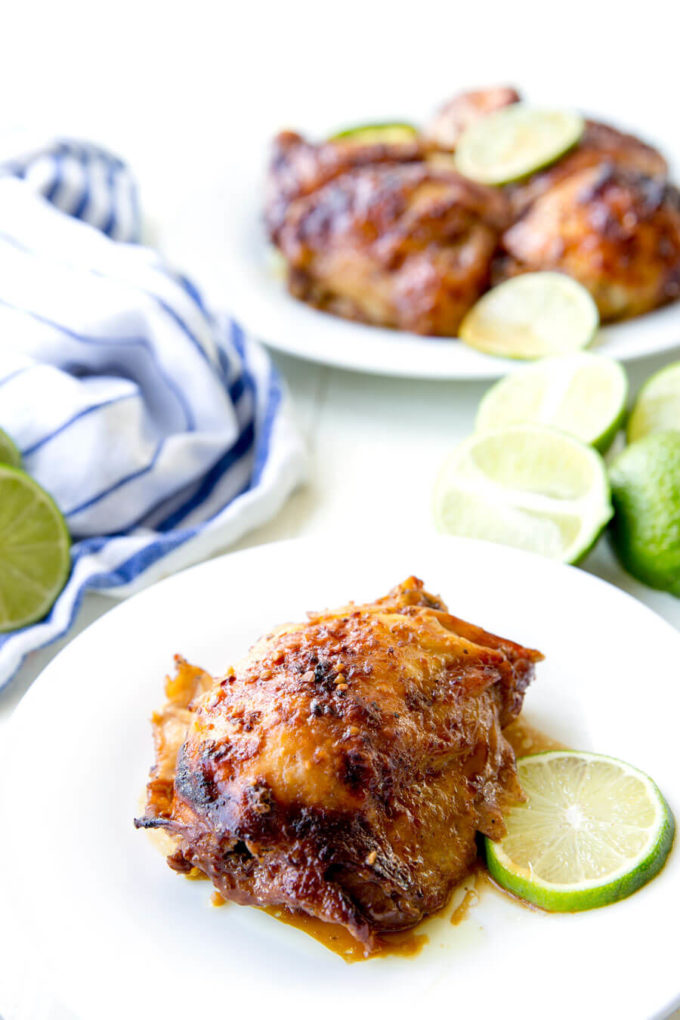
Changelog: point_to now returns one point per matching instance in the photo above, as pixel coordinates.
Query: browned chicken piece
(344, 767)
(450, 121)
(407, 246)
(615, 231)
(599, 144)
(298, 167)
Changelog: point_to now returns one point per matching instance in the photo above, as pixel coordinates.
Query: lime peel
(592, 818)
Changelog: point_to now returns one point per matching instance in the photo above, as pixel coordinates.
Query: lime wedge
(583, 394)
(532, 316)
(34, 550)
(528, 486)
(9, 452)
(592, 831)
(377, 134)
(657, 407)
(645, 481)
(511, 143)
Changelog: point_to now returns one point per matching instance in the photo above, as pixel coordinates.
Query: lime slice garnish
(657, 407)
(34, 550)
(9, 452)
(528, 486)
(377, 134)
(645, 481)
(532, 316)
(593, 830)
(583, 394)
(513, 142)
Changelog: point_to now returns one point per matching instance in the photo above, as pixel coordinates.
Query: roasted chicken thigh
(386, 232)
(344, 767)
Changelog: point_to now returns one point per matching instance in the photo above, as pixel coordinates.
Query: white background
(184, 91)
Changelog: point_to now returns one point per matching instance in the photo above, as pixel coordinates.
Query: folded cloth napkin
(161, 430)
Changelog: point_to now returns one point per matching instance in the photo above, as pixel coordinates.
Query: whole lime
(645, 482)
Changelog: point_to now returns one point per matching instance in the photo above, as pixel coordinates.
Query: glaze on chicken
(344, 767)
(391, 234)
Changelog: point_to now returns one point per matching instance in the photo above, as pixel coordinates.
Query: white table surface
(179, 98)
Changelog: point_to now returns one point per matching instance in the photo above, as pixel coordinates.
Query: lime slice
(645, 481)
(528, 486)
(583, 394)
(532, 316)
(592, 831)
(657, 407)
(377, 134)
(34, 550)
(513, 142)
(9, 452)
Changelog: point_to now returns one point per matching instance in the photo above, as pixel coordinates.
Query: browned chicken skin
(450, 121)
(396, 244)
(344, 767)
(615, 231)
(389, 234)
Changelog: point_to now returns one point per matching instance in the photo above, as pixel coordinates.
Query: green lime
(34, 550)
(377, 134)
(657, 407)
(645, 481)
(592, 831)
(528, 486)
(9, 452)
(583, 394)
(512, 143)
(532, 316)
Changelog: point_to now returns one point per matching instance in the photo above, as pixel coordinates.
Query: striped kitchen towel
(161, 429)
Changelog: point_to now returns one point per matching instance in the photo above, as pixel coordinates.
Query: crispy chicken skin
(464, 109)
(403, 245)
(389, 234)
(344, 767)
(615, 231)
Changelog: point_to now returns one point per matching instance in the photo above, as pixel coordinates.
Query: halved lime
(583, 394)
(645, 481)
(592, 831)
(377, 134)
(513, 142)
(528, 486)
(532, 316)
(34, 550)
(657, 407)
(9, 452)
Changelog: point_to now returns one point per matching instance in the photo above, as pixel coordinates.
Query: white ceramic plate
(122, 935)
(258, 298)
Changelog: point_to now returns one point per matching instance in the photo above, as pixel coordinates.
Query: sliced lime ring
(535, 315)
(377, 134)
(582, 394)
(512, 143)
(592, 831)
(34, 550)
(9, 451)
(527, 486)
(657, 407)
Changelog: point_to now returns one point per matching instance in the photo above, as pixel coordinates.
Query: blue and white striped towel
(161, 430)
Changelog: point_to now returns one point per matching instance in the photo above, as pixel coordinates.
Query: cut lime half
(527, 486)
(592, 831)
(583, 394)
(34, 550)
(657, 408)
(9, 452)
(377, 134)
(532, 316)
(514, 142)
